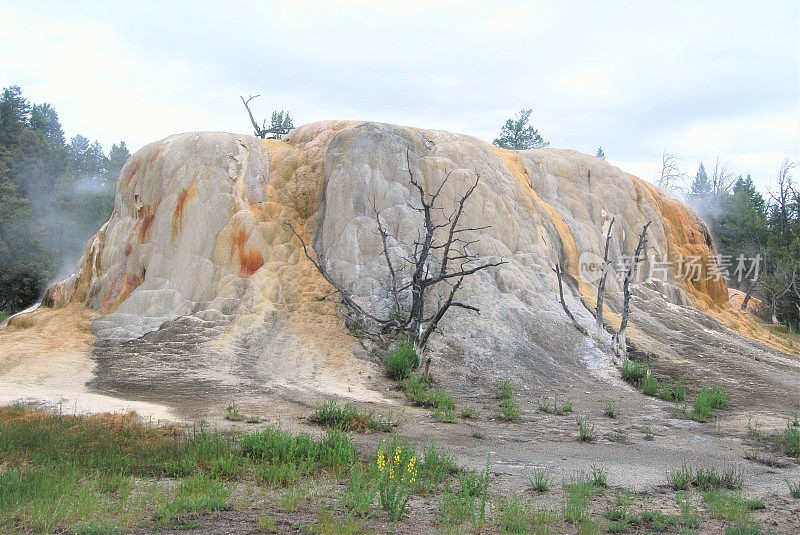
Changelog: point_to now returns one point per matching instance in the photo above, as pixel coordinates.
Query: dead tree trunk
(258, 131)
(750, 290)
(441, 257)
(601, 286)
(748, 295)
(621, 340)
(577, 325)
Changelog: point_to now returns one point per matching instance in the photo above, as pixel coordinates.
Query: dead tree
(601, 286)
(621, 340)
(750, 290)
(671, 174)
(440, 259)
(280, 124)
(577, 325)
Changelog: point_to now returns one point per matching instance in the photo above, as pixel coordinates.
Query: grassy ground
(111, 474)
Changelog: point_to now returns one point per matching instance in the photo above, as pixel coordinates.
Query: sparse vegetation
(470, 414)
(706, 400)
(418, 391)
(401, 360)
(707, 478)
(508, 405)
(349, 418)
(789, 440)
(554, 407)
(611, 409)
(109, 474)
(794, 488)
(585, 429)
(539, 481)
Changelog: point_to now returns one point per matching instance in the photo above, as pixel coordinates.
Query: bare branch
(557, 270)
(601, 287)
(324, 272)
(259, 131)
(626, 291)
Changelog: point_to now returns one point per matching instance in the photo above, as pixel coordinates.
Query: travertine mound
(197, 252)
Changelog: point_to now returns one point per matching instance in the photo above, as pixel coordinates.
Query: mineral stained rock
(197, 249)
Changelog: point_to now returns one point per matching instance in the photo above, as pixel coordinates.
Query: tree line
(747, 224)
(54, 195)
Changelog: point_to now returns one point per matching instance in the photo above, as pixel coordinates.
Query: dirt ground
(638, 448)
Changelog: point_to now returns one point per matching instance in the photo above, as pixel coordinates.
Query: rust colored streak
(185, 195)
(155, 156)
(118, 291)
(249, 262)
(238, 242)
(146, 218)
(131, 169)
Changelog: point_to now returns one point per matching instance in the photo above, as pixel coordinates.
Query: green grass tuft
(401, 360)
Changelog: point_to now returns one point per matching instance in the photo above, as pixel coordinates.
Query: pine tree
(600, 154)
(517, 134)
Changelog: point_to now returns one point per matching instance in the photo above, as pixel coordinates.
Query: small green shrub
(682, 479)
(96, 527)
(755, 505)
(539, 481)
(401, 360)
(633, 371)
(598, 476)
(361, 489)
(506, 390)
(618, 526)
(232, 413)
(745, 528)
(266, 522)
(445, 415)
(196, 494)
(418, 391)
(349, 418)
(611, 409)
(649, 385)
(508, 406)
(585, 429)
(702, 409)
(514, 515)
(577, 494)
(791, 440)
(709, 478)
(679, 391)
(396, 481)
(509, 410)
(706, 400)
(554, 408)
(794, 488)
(470, 414)
(725, 506)
(658, 521)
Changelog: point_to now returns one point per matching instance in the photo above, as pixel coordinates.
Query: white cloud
(699, 79)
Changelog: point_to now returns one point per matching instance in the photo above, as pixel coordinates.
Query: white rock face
(198, 231)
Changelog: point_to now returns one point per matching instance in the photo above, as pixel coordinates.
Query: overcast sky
(698, 79)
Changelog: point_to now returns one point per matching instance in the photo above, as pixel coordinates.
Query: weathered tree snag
(750, 290)
(601, 286)
(440, 245)
(577, 325)
(620, 340)
(258, 131)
